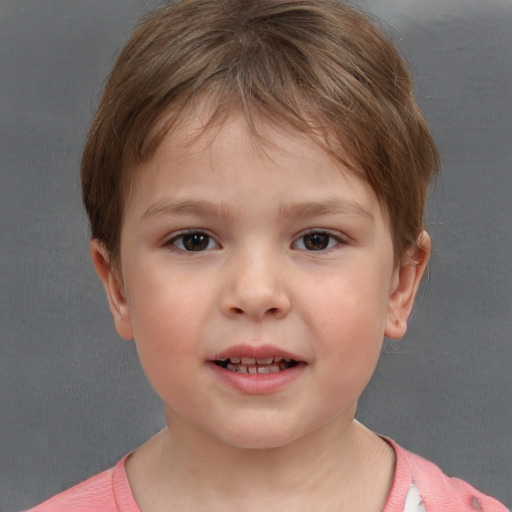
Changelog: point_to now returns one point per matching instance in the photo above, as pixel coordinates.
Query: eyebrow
(175, 207)
(333, 206)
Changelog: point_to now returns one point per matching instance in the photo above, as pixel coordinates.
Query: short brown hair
(305, 62)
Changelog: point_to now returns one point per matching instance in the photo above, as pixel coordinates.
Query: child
(255, 179)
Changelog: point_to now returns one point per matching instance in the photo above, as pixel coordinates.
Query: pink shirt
(418, 486)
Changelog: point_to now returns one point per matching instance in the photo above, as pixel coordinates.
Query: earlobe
(114, 289)
(404, 287)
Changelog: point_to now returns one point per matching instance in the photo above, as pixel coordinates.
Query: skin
(258, 280)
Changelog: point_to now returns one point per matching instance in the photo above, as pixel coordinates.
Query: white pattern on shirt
(413, 501)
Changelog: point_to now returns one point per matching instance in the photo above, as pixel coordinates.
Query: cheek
(353, 300)
(167, 319)
(346, 316)
(164, 302)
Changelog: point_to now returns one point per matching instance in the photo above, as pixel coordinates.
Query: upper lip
(260, 351)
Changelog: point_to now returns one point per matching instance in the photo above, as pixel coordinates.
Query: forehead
(201, 123)
(223, 135)
(200, 130)
(229, 161)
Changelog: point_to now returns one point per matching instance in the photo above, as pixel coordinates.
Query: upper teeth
(253, 360)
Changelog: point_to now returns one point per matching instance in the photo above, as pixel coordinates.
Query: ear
(404, 286)
(114, 288)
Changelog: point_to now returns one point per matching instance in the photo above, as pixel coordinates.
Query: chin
(263, 438)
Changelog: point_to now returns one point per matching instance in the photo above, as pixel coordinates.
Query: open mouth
(256, 366)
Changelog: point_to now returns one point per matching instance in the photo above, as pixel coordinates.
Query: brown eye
(317, 241)
(194, 242)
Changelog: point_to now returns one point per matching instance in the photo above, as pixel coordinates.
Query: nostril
(255, 303)
(240, 311)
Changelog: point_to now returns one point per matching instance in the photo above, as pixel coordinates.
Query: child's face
(229, 252)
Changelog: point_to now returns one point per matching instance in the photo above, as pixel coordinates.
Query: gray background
(73, 399)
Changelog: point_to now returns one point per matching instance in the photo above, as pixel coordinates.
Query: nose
(254, 288)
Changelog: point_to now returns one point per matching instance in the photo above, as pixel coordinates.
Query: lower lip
(258, 384)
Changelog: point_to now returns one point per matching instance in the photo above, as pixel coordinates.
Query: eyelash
(331, 241)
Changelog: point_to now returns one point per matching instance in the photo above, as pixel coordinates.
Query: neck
(331, 466)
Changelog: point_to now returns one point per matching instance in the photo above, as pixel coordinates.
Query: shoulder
(108, 491)
(440, 492)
